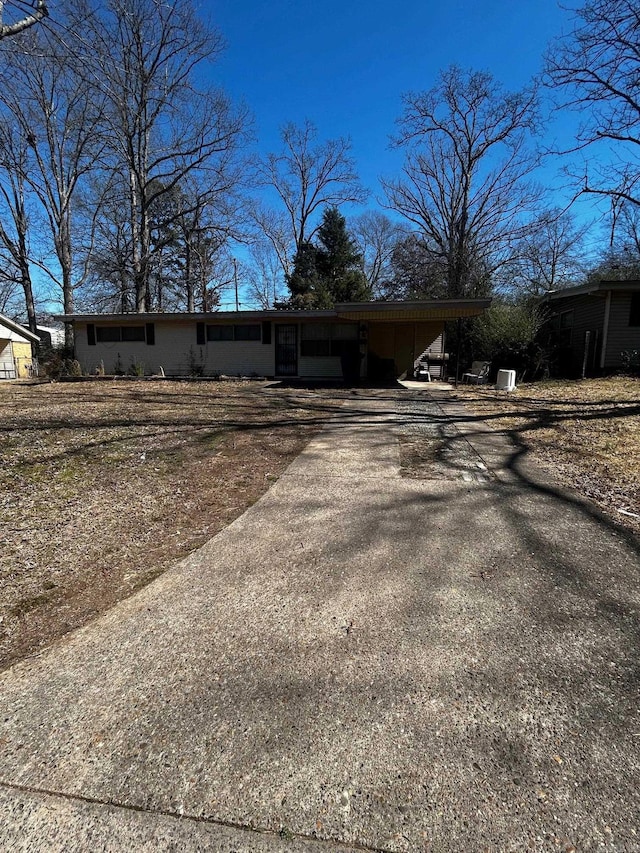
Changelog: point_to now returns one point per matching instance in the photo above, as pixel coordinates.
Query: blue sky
(345, 65)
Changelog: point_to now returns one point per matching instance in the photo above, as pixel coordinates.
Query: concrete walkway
(437, 658)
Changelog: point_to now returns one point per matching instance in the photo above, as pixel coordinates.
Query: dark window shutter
(266, 332)
(91, 334)
(151, 334)
(634, 312)
(200, 337)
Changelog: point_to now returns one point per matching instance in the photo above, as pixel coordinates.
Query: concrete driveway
(440, 657)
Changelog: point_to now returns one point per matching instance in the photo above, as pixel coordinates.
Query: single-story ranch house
(593, 324)
(16, 352)
(369, 339)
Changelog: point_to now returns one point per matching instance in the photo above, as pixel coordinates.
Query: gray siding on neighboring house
(588, 316)
(622, 336)
(587, 312)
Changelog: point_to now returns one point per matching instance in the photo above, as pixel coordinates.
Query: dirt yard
(587, 432)
(104, 484)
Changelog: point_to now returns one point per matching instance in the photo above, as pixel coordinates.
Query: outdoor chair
(422, 370)
(479, 373)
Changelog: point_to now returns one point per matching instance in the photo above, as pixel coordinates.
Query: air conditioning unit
(506, 380)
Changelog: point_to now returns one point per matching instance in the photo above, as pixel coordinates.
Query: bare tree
(273, 225)
(415, 271)
(377, 236)
(597, 68)
(465, 181)
(59, 117)
(109, 285)
(25, 21)
(549, 257)
(14, 218)
(10, 302)
(263, 273)
(161, 127)
(307, 175)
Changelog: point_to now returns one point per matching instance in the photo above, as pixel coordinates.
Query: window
(239, 332)
(315, 339)
(326, 339)
(132, 334)
(115, 334)
(634, 311)
(219, 333)
(247, 333)
(107, 334)
(565, 327)
(566, 320)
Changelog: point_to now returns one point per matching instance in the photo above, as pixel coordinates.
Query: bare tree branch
(597, 70)
(465, 185)
(40, 11)
(307, 175)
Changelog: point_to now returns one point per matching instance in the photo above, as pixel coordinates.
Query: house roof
(17, 329)
(598, 287)
(430, 309)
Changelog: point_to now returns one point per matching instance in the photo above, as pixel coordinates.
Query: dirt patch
(586, 432)
(104, 485)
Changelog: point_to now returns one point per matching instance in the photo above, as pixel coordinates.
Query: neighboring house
(592, 325)
(368, 339)
(50, 336)
(16, 353)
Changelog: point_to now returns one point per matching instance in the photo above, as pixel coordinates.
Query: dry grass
(587, 432)
(103, 485)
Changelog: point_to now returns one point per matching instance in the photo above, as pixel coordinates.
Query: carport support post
(458, 350)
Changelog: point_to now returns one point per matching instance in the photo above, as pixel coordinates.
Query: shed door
(286, 350)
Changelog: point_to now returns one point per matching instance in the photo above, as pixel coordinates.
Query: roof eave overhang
(598, 288)
(434, 309)
(19, 330)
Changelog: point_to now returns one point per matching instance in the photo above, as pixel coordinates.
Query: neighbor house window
(115, 334)
(323, 339)
(229, 332)
(634, 311)
(565, 328)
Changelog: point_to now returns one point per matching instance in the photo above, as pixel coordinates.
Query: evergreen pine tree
(338, 261)
(330, 271)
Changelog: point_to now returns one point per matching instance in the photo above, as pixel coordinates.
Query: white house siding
(246, 358)
(7, 367)
(319, 367)
(177, 352)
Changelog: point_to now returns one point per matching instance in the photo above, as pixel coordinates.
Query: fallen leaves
(586, 432)
(104, 485)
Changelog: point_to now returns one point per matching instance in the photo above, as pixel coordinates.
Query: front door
(286, 350)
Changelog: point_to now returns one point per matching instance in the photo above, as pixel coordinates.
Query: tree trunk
(66, 263)
(191, 303)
